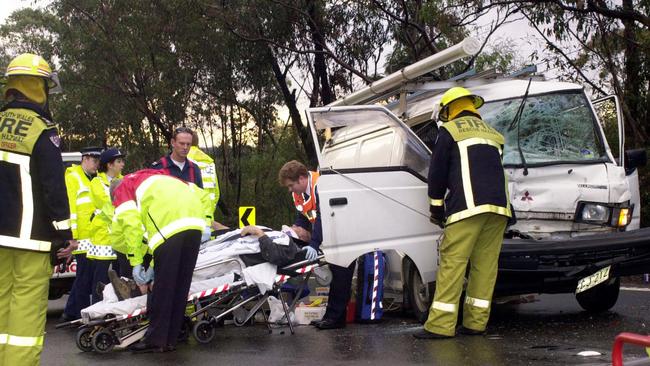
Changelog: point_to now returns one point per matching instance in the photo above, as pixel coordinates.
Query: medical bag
(370, 287)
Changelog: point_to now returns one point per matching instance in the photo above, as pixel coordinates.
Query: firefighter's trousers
(24, 284)
(478, 240)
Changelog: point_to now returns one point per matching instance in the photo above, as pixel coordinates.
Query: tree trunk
(296, 120)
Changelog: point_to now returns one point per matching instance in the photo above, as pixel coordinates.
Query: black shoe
(66, 318)
(330, 324)
(142, 347)
(315, 322)
(471, 332)
(423, 334)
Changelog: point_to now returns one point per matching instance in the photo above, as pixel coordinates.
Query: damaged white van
(577, 204)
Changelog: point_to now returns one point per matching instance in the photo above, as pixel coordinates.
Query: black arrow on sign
(244, 218)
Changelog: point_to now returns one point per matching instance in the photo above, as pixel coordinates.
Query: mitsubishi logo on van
(527, 197)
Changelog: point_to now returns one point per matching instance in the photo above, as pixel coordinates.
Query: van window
(369, 137)
(553, 128)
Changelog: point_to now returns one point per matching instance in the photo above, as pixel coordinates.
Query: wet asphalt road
(550, 331)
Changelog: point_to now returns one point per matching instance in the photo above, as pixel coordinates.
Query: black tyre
(203, 332)
(600, 298)
(104, 341)
(84, 339)
(420, 294)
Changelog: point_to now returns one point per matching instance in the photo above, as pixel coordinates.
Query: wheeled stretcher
(221, 287)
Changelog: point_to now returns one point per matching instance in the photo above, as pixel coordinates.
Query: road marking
(641, 289)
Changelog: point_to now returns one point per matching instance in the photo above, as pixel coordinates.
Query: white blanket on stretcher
(206, 276)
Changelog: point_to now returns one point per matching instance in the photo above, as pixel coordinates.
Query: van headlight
(606, 214)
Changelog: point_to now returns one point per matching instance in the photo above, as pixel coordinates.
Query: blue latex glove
(207, 232)
(139, 275)
(311, 254)
(148, 275)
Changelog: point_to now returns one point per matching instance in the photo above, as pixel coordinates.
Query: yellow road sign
(246, 216)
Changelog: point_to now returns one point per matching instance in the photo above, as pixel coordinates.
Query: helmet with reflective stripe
(454, 94)
(29, 64)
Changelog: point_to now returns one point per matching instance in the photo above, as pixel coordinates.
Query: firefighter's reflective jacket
(32, 190)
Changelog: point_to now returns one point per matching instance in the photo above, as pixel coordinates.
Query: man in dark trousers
(469, 198)
(173, 214)
(176, 163)
(303, 187)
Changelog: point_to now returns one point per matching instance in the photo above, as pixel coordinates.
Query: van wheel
(420, 294)
(600, 298)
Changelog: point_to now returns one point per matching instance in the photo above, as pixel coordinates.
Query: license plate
(593, 280)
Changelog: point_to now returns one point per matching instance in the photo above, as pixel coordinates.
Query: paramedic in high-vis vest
(34, 221)
(469, 198)
(173, 215)
(303, 187)
(77, 182)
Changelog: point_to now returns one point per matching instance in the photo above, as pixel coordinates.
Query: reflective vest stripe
(125, 206)
(19, 341)
(27, 198)
(188, 223)
(443, 306)
(83, 200)
(20, 243)
(433, 202)
(144, 186)
(479, 303)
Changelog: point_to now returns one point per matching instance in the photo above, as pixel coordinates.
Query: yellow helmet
(29, 64)
(452, 95)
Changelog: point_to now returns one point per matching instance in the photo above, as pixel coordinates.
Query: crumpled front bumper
(556, 266)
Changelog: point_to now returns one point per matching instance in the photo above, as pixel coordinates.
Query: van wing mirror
(634, 159)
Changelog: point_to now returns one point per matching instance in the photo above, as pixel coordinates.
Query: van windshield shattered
(553, 128)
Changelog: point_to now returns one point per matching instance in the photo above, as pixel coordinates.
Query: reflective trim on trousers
(443, 306)
(19, 341)
(479, 303)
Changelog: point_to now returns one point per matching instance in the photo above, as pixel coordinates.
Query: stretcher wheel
(103, 341)
(84, 339)
(203, 332)
(239, 316)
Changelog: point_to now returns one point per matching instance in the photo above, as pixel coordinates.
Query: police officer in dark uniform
(35, 218)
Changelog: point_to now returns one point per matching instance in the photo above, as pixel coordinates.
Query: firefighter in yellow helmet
(34, 222)
(469, 198)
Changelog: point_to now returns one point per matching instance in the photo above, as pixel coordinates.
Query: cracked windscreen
(553, 128)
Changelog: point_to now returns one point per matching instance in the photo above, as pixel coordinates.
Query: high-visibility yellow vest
(81, 206)
(102, 217)
(208, 173)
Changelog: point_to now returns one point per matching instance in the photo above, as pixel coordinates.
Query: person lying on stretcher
(276, 248)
